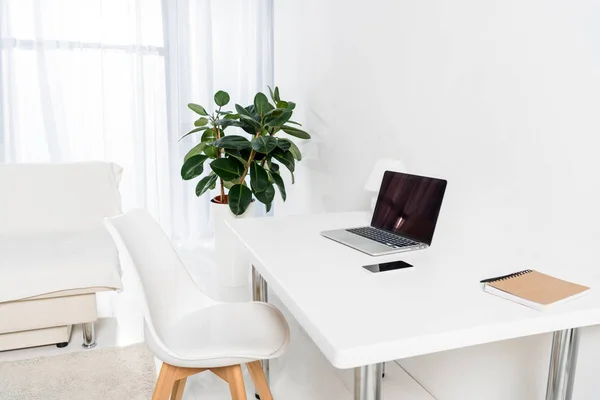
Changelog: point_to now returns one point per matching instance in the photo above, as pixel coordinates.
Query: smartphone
(390, 266)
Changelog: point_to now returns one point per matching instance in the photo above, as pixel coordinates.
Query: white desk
(360, 320)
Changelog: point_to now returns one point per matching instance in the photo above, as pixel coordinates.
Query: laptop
(404, 219)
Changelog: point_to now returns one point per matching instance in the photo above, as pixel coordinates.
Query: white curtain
(110, 80)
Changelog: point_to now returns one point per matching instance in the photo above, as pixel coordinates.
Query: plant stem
(221, 184)
(250, 159)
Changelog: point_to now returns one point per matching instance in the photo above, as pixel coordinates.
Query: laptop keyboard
(382, 236)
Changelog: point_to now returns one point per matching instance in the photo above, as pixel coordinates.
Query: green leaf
(195, 130)
(225, 123)
(276, 112)
(266, 196)
(254, 124)
(240, 198)
(279, 120)
(284, 144)
(209, 136)
(280, 185)
(268, 206)
(206, 183)
(299, 133)
(290, 105)
(259, 156)
(272, 94)
(221, 98)
(294, 122)
(227, 168)
(231, 116)
(198, 109)
(193, 167)
(261, 104)
(259, 179)
(223, 112)
(234, 142)
(272, 166)
(264, 144)
(292, 148)
(242, 111)
(247, 121)
(252, 110)
(286, 158)
(248, 128)
(197, 149)
(276, 97)
(201, 121)
(282, 104)
(240, 155)
(211, 151)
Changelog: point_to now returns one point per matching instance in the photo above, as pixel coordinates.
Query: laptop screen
(409, 205)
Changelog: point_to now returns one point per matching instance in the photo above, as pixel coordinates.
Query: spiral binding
(511, 276)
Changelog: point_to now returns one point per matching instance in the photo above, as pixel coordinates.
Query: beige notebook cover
(534, 289)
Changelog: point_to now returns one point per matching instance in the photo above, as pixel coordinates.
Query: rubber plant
(247, 166)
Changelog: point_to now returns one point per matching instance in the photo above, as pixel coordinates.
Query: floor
(302, 373)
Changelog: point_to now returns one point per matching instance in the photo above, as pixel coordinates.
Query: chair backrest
(168, 288)
(51, 198)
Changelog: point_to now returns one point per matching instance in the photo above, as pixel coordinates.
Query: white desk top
(358, 318)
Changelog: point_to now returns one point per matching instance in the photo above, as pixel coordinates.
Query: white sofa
(55, 253)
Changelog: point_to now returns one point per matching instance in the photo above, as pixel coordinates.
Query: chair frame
(171, 381)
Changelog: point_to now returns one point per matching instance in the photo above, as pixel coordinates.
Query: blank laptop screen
(409, 205)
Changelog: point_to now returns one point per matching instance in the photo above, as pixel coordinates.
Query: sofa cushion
(48, 198)
(34, 265)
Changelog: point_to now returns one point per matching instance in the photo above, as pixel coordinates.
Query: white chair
(189, 331)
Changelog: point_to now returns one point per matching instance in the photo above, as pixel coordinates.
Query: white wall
(501, 97)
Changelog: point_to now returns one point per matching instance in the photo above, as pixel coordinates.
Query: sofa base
(43, 321)
(35, 337)
(41, 313)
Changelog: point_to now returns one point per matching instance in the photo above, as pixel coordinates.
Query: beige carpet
(122, 373)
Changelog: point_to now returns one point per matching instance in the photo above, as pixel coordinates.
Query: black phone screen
(390, 266)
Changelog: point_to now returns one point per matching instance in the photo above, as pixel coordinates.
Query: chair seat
(226, 334)
(35, 265)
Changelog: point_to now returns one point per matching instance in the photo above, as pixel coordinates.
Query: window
(85, 80)
(110, 80)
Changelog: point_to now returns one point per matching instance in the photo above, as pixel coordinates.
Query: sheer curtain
(110, 80)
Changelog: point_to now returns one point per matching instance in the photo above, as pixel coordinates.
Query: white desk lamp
(374, 182)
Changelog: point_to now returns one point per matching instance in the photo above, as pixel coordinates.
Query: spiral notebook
(533, 289)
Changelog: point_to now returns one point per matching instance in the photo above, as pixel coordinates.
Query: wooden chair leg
(236, 382)
(165, 382)
(260, 382)
(221, 372)
(177, 393)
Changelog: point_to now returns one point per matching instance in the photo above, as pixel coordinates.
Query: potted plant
(248, 166)
(235, 158)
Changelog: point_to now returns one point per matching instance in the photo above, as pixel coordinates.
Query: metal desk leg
(563, 361)
(367, 382)
(260, 292)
